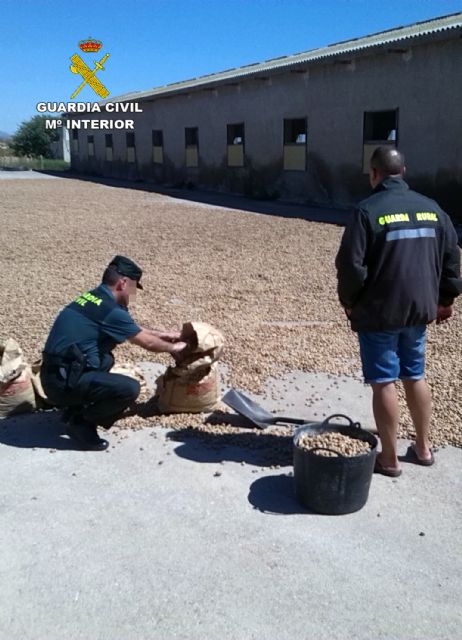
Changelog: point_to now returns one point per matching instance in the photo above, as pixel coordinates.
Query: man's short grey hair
(388, 161)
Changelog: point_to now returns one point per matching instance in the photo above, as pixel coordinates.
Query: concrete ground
(165, 536)
(13, 174)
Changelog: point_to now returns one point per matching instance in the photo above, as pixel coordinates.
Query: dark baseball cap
(127, 267)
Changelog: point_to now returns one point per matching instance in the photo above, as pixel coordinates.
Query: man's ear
(120, 284)
(372, 176)
(403, 171)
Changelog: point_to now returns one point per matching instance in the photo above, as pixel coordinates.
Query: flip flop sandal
(391, 472)
(411, 456)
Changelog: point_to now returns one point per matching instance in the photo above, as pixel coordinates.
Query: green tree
(33, 139)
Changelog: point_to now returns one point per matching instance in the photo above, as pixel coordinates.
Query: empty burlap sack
(193, 384)
(204, 341)
(41, 399)
(16, 389)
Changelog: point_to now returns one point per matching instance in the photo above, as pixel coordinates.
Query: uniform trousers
(98, 397)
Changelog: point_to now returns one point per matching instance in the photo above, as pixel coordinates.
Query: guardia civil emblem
(89, 75)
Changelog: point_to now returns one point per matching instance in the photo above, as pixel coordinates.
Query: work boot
(85, 435)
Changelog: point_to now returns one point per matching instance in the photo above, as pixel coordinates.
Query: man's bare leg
(386, 414)
(419, 401)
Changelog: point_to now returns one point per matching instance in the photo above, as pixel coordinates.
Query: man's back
(390, 262)
(94, 322)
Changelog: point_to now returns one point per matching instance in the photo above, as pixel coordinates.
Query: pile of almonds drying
(250, 275)
(339, 444)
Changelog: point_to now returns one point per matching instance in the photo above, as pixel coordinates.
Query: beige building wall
(422, 83)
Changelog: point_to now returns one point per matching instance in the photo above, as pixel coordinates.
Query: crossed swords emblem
(88, 75)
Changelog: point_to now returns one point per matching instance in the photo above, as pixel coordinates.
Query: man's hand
(443, 313)
(151, 341)
(177, 347)
(167, 336)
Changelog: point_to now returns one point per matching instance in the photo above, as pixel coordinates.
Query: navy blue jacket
(95, 323)
(397, 260)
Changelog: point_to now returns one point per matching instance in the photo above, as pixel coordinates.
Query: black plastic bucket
(333, 485)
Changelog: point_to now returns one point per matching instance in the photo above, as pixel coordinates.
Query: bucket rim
(353, 430)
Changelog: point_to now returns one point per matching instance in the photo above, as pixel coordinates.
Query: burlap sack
(203, 338)
(16, 389)
(193, 385)
(41, 399)
(205, 346)
(194, 394)
(12, 361)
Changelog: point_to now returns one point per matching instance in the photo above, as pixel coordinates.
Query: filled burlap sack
(198, 393)
(12, 361)
(193, 384)
(16, 389)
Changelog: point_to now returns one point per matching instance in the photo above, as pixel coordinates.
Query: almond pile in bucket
(193, 384)
(340, 444)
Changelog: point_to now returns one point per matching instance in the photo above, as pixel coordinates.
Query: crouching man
(78, 354)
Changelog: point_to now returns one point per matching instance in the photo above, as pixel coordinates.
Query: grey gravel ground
(267, 282)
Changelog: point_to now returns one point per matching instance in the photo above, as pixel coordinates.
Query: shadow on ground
(311, 212)
(42, 430)
(253, 447)
(270, 494)
(276, 495)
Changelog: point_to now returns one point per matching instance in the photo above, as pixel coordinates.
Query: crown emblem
(90, 45)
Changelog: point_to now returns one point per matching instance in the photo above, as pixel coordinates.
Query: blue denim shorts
(389, 355)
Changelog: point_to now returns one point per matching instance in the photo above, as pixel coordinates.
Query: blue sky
(154, 42)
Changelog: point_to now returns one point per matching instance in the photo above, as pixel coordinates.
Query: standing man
(398, 269)
(78, 354)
